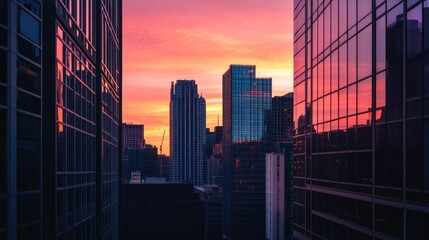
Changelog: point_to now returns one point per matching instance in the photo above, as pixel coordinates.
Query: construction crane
(160, 149)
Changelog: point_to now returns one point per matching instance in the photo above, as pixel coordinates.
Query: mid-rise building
(133, 136)
(187, 133)
(361, 119)
(246, 99)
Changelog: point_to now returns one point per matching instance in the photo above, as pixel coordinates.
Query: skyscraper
(60, 168)
(187, 133)
(361, 119)
(246, 100)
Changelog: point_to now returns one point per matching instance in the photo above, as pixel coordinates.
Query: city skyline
(166, 41)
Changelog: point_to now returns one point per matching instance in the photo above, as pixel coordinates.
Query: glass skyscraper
(187, 133)
(60, 122)
(361, 105)
(246, 101)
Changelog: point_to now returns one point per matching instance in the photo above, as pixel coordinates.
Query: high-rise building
(361, 100)
(60, 109)
(281, 126)
(246, 100)
(133, 136)
(187, 133)
(275, 196)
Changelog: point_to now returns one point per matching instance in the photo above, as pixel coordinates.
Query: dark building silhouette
(210, 142)
(218, 132)
(360, 112)
(132, 161)
(151, 166)
(187, 133)
(60, 110)
(211, 195)
(133, 136)
(245, 102)
(161, 211)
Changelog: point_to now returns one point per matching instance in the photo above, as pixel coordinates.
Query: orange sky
(166, 40)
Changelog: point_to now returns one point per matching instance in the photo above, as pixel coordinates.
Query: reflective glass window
(327, 75)
(414, 31)
(334, 70)
(29, 50)
(28, 152)
(352, 60)
(364, 8)
(352, 9)
(32, 5)
(352, 99)
(334, 105)
(365, 95)
(28, 76)
(28, 209)
(426, 24)
(28, 102)
(380, 90)
(334, 20)
(343, 102)
(381, 43)
(299, 93)
(28, 26)
(364, 53)
(343, 66)
(342, 16)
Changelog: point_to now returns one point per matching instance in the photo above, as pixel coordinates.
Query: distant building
(133, 136)
(161, 211)
(187, 133)
(151, 166)
(210, 142)
(218, 133)
(132, 161)
(211, 195)
(164, 166)
(275, 196)
(246, 99)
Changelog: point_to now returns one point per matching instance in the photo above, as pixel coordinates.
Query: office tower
(275, 196)
(133, 136)
(161, 211)
(187, 133)
(362, 129)
(211, 195)
(281, 127)
(210, 142)
(60, 110)
(132, 161)
(245, 102)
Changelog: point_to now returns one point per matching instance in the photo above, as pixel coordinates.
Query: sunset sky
(166, 40)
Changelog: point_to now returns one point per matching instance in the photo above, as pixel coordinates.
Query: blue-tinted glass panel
(29, 50)
(28, 26)
(32, 5)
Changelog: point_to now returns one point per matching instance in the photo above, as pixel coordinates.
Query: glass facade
(361, 119)
(50, 166)
(246, 101)
(20, 120)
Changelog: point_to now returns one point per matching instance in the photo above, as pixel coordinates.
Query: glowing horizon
(169, 40)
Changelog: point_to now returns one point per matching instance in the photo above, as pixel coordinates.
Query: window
(3, 151)
(28, 76)
(364, 53)
(28, 152)
(3, 66)
(364, 95)
(3, 11)
(28, 26)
